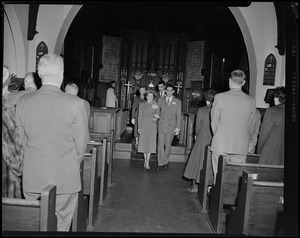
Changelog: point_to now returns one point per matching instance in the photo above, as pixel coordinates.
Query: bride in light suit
(147, 127)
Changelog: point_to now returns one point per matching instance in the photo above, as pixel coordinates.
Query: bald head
(29, 81)
(51, 69)
(71, 88)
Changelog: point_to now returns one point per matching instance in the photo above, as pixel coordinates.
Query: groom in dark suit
(168, 126)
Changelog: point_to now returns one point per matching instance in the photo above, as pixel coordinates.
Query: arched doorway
(125, 21)
(13, 44)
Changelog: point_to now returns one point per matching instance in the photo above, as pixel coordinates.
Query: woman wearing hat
(138, 98)
(203, 138)
(271, 136)
(147, 126)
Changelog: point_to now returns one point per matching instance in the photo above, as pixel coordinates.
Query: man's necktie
(168, 100)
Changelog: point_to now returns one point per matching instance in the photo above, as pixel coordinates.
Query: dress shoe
(165, 166)
(208, 189)
(194, 189)
(160, 167)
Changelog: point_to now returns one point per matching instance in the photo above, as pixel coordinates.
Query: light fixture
(151, 85)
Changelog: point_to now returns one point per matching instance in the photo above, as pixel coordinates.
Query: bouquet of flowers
(155, 107)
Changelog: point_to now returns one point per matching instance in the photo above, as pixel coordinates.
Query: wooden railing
(104, 120)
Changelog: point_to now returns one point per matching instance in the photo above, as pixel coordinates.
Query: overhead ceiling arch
(210, 20)
(197, 19)
(65, 27)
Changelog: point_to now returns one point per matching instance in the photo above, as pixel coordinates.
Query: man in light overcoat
(54, 129)
(232, 121)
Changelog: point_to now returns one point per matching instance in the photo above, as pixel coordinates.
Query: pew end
(206, 179)
(95, 173)
(259, 208)
(99, 137)
(27, 215)
(79, 221)
(91, 183)
(229, 182)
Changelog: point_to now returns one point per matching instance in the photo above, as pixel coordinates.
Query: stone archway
(65, 27)
(257, 45)
(235, 11)
(14, 49)
(249, 47)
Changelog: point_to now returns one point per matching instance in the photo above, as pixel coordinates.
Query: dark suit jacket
(271, 136)
(135, 107)
(54, 127)
(158, 96)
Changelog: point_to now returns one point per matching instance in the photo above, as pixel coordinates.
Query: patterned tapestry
(110, 59)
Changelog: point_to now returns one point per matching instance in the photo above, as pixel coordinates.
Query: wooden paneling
(225, 191)
(26, 215)
(79, 221)
(259, 208)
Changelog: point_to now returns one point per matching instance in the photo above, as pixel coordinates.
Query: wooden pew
(227, 185)
(102, 170)
(79, 222)
(91, 189)
(103, 120)
(27, 215)
(91, 185)
(121, 122)
(258, 211)
(206, 177)
(98, 137)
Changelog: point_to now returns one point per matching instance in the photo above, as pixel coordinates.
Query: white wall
(258, 24)
(9, 51)
(49, 22)
(14, 55)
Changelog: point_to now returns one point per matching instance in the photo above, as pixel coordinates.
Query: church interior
(193, 45)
